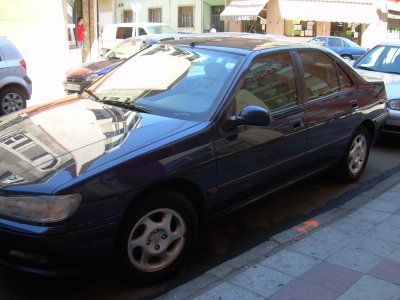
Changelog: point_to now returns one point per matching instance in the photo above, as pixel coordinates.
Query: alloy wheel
(358, 153)
(156, 240)
(12, 102)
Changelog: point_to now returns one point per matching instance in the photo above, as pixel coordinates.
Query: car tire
(155, 235)
(347, 57)
(356, 156)
(12, 99)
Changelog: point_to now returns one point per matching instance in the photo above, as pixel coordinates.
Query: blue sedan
(182, 132)
(342, 46)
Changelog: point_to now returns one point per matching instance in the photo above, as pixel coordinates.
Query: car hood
(392, 81)
(100, 67)
(72, 136)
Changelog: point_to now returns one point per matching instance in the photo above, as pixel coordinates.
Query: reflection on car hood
(392, 81)
(100, 67)
(73, 136)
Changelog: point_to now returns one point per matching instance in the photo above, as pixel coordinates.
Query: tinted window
(335, 42)
(124, 32)
(381, 59)
(270, 84)
(344, 80)
(320, 74)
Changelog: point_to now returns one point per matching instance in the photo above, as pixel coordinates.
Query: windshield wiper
(127, 105)
(91, 94)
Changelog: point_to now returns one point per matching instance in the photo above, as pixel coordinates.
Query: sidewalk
(350, 252)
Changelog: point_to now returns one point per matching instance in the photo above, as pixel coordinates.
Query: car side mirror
(253, 115)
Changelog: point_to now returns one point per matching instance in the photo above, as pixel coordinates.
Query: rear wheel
(155, 235)
(356, 156)
(11, 100)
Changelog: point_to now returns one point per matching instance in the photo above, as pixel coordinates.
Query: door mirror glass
(254, 115)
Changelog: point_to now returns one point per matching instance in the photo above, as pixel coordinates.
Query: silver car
(15, 85)
(383, 63)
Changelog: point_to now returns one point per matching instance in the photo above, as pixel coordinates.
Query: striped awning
(350, 11)
(243, 10)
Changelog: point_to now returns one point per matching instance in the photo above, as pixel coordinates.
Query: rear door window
(124, 33)
(320, 74)
(270, 83)
(334, 42)
(344, 80)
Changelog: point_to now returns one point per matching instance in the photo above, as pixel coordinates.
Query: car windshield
(384, 59)
(160, 29)
(349, 43)
(126, 49)
(183, 83)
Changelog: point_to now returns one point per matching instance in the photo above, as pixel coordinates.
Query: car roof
(243, 43)
(395, 44)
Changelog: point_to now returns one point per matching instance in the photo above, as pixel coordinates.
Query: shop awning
(395, 6)
(350, 11)
(243, 10)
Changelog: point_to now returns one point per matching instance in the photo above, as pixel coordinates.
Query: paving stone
(370, 288)
(315, 248)
(332, 276)
(335, 235)
(388, 270)
(383, 205)
(355, 260)
(303, 290)
(386, 233)
(393, 220)
(392, 195)
(227, 291)
(190, 288)
(397, 212)
(289, 262)
(287, 236)
(261, 280)
(353, 225)
(395, 256)
(373, 246)
(396, 188)
(354, 203)
(220, 271)
(370, 215)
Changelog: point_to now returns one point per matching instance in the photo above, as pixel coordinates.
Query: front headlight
(92, 77)
(45, 209)
(394, 104)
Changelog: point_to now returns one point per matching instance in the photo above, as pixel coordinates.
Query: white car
(383, 62)
(114, 33)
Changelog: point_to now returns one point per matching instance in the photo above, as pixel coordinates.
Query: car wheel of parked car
(356, 156)
(11, 100)
(347, 57)
(155, 235)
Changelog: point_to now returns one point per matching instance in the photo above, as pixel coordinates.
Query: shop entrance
(351, 31)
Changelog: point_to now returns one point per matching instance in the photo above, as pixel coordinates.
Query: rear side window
(270, 83)
(344, 80)
(320, 74)
(10, 52)
(124, 33)
(142, 31)
(332, 42)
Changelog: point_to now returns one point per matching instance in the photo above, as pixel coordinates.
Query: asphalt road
(221, 239)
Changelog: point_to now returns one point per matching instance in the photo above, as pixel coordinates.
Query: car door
(251, 159)
(331, 106)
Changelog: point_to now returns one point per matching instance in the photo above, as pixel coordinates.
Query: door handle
(297, 124)
(354, 104)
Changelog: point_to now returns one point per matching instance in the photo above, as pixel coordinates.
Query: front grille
(75, 79)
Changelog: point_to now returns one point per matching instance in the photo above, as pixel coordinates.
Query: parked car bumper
(392, 125)
(55, 251)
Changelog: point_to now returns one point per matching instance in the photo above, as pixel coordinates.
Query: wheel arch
(370, 125)
(17, 86)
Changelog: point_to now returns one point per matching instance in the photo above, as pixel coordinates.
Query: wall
(206, 16)
(106, 14)
(169, 12)
(275, 23)
(37, 29)
(323, 28)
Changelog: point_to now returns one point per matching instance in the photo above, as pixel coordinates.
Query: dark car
(81, 77)
(180, 133)
(342, 46)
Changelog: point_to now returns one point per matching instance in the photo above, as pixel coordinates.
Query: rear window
(124, 33)
(10, 52)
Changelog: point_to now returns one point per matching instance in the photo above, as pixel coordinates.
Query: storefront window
(350, 31)
(393, 30)
(300, 28)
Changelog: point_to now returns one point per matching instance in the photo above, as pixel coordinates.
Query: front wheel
(356, 156)
(11, 100)
(155, 236)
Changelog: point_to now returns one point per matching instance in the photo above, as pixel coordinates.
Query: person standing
(213, 29)
(80, 33)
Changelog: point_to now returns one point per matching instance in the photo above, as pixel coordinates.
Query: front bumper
(392, 125)
(55, 251)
